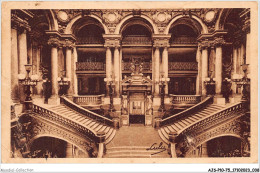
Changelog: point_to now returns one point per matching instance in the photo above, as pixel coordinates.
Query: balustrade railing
(86, 112)
(90, 40)
(187, 112)
(88, 99)
(90, 66)
(196, 128)
(189, 66)
(136, 39)
(59, 119)
(184, 40)
(126, 66)
(185, 99)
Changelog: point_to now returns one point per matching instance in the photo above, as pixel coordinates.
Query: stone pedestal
(219, 100)
(148, 120)
(125, 120)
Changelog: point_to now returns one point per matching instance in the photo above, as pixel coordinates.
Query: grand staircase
(85, 121)
(183, 122)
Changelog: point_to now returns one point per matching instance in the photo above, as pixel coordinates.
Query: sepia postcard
(129, 82)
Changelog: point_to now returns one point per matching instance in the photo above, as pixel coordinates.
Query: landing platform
(135, 135)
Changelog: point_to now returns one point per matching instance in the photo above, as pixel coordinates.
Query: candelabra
(243, 81)
(163, 82)
(28, 81)
(63, 84)
(210, 83)
(109, 82)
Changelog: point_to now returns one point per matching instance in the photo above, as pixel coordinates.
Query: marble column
(204, 68)
(156, 71)
(116, 70)
(204, 150)
(69, 150)
(234, 59)
(54, 70)
(75, 75)
(14, 65)
(248, 52)
(218, 69)
(198, 79)
(108, 67)
(165, 66)
(242, 57)
(22, 43)
(38, 64)
(69, 69)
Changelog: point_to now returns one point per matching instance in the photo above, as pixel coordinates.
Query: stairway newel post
(101, 146)
(172, 147)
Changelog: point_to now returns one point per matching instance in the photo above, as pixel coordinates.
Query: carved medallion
(210, 16)
(62, 16)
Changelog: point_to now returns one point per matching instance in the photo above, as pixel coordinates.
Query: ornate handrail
(184, 40)
(185, 99)
(187, 112)
(214, 119)
(136, 39)
(90, 66)
(192, 66)
(88, 99)
(126, 66)
(86, 112)
(55, 117)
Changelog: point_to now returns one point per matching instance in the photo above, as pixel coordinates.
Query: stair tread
(102, 129)
(175, 128)
(166, 129)
(162, 136)
(171, 129)
(112, 135)
(178, 126)
(165, 134)
(98, 127)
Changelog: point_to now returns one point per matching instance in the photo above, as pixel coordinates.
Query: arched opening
(91, 53)
(50, 147)
(137, 43)
(182, 58)
(225, 146)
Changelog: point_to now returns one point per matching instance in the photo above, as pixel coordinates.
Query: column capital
(68, 40)
(54, 38)
(19, 23)
(161, 40)
(219, 41)
(112, 40)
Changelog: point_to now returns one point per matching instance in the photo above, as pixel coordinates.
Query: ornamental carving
(54, 41)
(183, 66)
(209, 16)
(224, 122)
(111, 18)
(43, 128)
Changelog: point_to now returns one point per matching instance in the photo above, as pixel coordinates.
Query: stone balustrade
(90, 114)
(183, 66)
(90, 66)
(65, 122)
(185, 99)
(88, 99)
(187, 112)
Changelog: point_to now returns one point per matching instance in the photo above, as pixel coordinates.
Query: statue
(136, 66)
